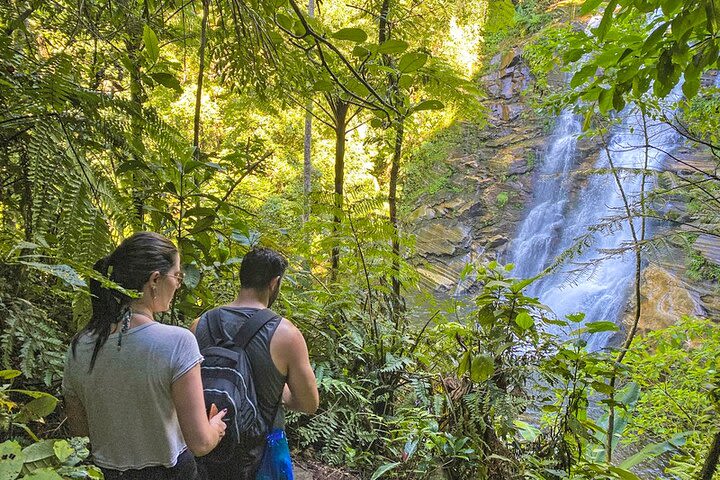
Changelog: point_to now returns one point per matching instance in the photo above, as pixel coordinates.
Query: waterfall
(598, 280)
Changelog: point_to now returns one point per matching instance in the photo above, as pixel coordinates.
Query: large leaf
(653, 450)
(589, 6)
(482, 368)
(12, 460)
(412, 61)
(393, 46)
(63, 272)
(9, 374)
(37, 408)
(428, 105)
(383, 469)
(43, 474)
(356, 35)
(524, 320)
(167, 80)
(151, 44)
(607, 18)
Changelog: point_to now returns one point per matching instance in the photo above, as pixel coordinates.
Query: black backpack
(227, 378)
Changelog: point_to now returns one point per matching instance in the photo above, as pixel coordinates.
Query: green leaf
(203, 224)
(63, 450)
(482, 368)
(670, 6)
(655, 449)
(691, 87)
(583, 74)
(589, 6)
(405, 81)
(383, 469)
(284, 21)
(411, 62)
(43, 474)
(12, 460)
(605, 100)
(323, 86)
(624, 474)
(37, 409)
(428, 105)
(393, 46)
(573, 55)
(524, 320)
(63, 272)
(464, 365)
(607, 17)
(9, 374)
(356, 35)
(360, 52)
(357, 87)
(151, 44)
(167, 80)
(654, 37)
(516, 287)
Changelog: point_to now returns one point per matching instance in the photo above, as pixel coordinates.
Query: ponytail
(129, 266)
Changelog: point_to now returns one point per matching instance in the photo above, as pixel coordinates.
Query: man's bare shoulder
(287, 333)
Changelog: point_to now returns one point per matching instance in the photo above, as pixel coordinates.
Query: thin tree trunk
(201, 72)
(340, 111)
(136, 130)
(307, 160)
(637, 240)
(392, 202)
(712, 460)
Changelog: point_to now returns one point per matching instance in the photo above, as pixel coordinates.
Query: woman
(133, 385)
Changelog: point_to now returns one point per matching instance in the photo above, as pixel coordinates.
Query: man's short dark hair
(259, 266)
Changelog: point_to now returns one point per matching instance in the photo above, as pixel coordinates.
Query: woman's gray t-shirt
(127, 396)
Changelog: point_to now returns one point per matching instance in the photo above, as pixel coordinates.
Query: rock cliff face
(492, 176)
(491, 185)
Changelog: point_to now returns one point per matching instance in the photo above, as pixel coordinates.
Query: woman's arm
(201, 434)
(77, 418)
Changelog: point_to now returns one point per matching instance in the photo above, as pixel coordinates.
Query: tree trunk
(711, 462)
(340, 111)
(307, 160)
(392, 202)
(137, 100)
(201, 72)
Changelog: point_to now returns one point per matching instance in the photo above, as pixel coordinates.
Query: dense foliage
(186, 118)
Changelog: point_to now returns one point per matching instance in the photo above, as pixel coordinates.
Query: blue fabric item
(276, 463)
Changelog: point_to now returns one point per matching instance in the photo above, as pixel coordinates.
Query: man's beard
(273, 295)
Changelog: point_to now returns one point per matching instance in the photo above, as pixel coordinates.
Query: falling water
(597, 280)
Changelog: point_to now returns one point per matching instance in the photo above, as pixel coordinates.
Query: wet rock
(440, 239)
(520, 167)
(496, 241)
(664, 301)
(423, 212)
(475, 210)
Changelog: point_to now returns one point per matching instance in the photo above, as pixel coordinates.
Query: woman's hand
(202, 432)
(216, 420)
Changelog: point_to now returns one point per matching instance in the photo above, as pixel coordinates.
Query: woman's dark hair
(259, 266)
(129, 266)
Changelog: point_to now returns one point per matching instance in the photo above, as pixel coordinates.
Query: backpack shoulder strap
(252, 325)
(212, 323)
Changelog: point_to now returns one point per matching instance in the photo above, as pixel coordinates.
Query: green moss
(427, 173)
(699, 268)
(502, 199)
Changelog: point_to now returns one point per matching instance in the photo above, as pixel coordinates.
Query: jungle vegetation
(225, 124)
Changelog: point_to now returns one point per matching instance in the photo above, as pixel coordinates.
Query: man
(278, 353)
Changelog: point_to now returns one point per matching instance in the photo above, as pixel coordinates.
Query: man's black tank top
(269, 383)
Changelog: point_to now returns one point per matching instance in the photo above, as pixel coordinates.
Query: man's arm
(301, 393)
